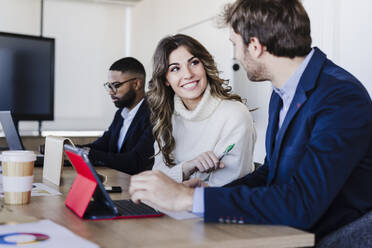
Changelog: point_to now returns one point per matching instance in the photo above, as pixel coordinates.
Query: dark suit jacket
(317, 176)
(137, 149)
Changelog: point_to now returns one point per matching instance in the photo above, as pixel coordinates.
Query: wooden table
(155, 232)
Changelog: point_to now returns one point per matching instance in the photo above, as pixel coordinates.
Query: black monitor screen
(27, 76)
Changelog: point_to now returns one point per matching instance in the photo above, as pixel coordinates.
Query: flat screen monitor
(27, 76)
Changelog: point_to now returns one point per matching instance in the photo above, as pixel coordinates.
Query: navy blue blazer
(137, 150)
(317, 175)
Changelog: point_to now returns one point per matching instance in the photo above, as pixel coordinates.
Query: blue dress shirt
(288, 90)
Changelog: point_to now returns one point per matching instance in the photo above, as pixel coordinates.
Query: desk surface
(156, 232)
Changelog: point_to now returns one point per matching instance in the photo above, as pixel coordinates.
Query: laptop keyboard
(129, 208)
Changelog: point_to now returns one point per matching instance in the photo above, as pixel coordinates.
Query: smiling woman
(186, 76)
(195, 117)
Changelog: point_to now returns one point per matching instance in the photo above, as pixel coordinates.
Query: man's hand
(159, 191)
(205, 162)
(195, 182)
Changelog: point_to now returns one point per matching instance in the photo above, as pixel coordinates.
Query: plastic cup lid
(17, 156)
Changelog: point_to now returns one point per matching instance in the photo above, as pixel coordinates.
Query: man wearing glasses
(127, 145)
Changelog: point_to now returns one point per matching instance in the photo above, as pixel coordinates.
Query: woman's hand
(205, 162)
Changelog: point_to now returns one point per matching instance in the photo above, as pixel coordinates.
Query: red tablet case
(83, 187)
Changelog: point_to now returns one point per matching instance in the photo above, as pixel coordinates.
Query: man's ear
(255, 47)
(138, 84)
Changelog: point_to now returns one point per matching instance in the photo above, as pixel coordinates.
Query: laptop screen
(10, 131)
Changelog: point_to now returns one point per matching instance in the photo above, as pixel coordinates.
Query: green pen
(227, 150)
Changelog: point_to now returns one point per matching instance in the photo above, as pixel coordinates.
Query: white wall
(257, 95)
(356, 39)
(90, 36)
(88, 40)
(341, 28)
(20, 16)
(153, 20)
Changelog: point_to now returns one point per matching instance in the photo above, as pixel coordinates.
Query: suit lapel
(298, 100)
(307, 82)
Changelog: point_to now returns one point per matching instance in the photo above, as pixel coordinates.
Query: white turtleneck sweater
(212, 126)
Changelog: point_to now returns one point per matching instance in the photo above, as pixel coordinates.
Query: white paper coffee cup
(18, 174)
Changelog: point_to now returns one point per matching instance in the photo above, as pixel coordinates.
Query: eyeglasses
(114, 86)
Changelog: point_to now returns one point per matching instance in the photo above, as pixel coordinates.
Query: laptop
(12, 136)
(10, 131)
(88, 198)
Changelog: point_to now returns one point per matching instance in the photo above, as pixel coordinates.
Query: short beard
(127, 100)
(258, 74)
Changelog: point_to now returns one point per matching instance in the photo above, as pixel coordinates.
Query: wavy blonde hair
(161, 97)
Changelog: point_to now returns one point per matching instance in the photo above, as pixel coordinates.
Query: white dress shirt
(128, 116)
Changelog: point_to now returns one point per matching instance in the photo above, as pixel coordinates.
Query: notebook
(88, 198)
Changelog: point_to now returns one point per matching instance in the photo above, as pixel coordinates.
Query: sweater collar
(205, 108)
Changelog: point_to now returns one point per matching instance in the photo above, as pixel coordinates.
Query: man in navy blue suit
(317, 173)
(127, 145)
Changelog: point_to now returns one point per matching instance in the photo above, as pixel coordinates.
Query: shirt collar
(288, 90)
(128, 114)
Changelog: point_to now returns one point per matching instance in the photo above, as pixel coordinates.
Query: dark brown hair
(283, 26)
(129, 65)
(160, 96)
